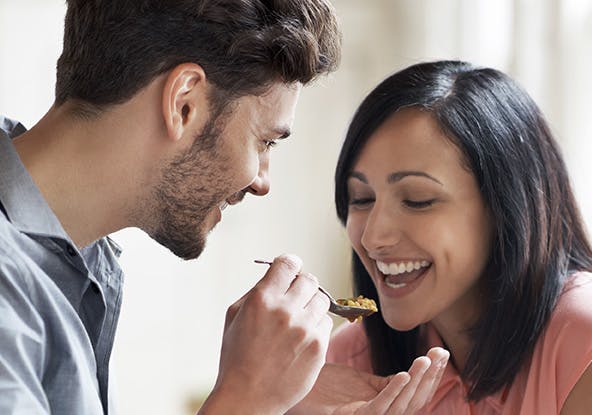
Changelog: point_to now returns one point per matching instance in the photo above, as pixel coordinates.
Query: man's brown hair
(113, 48)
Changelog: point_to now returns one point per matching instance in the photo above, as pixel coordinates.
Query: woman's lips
(405, 277)
(396, 286)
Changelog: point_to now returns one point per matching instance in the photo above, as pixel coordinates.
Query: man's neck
(91, 173)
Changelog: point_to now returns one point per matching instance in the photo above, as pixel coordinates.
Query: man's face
(228, 158)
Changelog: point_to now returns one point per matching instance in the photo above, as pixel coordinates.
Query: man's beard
(192, 185)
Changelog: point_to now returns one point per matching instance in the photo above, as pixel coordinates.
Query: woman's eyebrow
(357, 175)
(396, 176)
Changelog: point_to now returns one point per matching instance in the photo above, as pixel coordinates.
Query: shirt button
(70, 250)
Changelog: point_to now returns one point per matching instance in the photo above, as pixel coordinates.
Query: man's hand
(341, 390)
(274, 345)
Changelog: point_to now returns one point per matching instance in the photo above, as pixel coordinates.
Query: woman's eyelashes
(360, 202)
(413, 198)
(419, 204)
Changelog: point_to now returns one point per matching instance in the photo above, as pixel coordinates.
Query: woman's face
(418, 222)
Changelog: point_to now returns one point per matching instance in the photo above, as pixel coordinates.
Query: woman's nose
(381, 229)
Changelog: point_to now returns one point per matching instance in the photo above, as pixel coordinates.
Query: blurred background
(167, 347)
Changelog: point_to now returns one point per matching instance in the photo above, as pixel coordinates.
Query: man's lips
(236, 198)
(232, 200)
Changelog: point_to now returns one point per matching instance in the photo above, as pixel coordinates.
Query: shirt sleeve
(21, 346)
(349, 346)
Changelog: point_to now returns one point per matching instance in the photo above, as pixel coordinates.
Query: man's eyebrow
(396, 176)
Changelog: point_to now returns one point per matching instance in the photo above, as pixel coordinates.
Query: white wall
(171, 323)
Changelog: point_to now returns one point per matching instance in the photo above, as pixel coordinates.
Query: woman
(464, 227)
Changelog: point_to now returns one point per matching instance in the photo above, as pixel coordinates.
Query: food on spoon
(361, 302)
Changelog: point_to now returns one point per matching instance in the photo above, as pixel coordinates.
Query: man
(165, 112)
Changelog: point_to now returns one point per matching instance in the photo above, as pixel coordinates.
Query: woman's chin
(396, 323)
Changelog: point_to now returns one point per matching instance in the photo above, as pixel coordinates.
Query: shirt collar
(24, 204)
(451, 379)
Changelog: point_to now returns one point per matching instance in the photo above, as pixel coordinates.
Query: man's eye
(419, 204)
(269, 143)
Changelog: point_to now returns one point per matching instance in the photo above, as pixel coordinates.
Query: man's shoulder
(8, 238)
(11, 127)
(30, 299)
(16, 266)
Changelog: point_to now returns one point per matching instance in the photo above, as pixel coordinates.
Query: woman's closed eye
(361, 201)
(419, 204)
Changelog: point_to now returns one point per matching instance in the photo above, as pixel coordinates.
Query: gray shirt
(58, 305)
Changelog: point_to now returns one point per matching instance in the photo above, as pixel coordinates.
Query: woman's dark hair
(539, 237)
(113, 48)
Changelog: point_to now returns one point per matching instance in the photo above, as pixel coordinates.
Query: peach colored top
(561, 355)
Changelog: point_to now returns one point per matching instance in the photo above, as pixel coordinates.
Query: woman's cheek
(355, 229)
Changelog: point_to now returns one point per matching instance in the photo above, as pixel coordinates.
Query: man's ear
(184, 99)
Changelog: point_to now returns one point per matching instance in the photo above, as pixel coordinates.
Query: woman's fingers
(408, 392)
(382, 402)
(428, 382)
(440, 358)
(404, 403)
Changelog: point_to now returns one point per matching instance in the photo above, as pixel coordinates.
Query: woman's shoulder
(349, 346)
(569, 330)
(574, 306)
(564, 350)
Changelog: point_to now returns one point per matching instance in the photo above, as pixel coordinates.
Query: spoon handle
(348, 312)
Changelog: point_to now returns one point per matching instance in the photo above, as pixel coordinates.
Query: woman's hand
(341, 390)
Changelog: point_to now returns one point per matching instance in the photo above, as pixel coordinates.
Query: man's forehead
(279, 94)
(274, 110)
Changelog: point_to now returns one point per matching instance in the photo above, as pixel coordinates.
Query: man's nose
(260, 186)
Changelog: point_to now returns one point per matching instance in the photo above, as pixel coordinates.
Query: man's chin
(186, 248)
(189, 253)
(184, 239)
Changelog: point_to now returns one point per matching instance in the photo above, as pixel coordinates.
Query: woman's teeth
(398, 268)
(401, 267)
(223, 205)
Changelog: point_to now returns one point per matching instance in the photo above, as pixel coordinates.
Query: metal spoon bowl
(349, 312)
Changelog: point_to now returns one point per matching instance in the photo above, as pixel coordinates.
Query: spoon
(349, 312)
